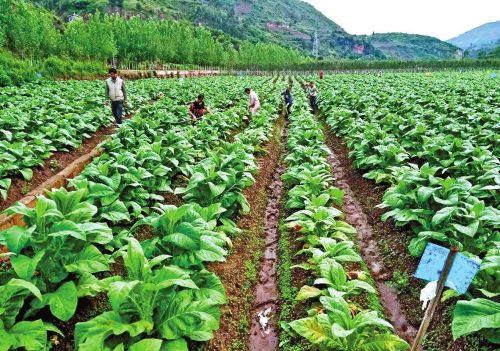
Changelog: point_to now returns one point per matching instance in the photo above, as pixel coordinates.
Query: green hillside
(291, 23)
(412, 46)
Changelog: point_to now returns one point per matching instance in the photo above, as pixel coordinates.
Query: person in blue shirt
(287, 96)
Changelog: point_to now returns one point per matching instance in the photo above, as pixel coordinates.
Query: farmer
(321, 74)
(254, 101)
(287, 96)
(313, 96)
(198, 108)
(115, 91)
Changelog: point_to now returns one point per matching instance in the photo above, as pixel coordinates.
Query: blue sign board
(462, 271)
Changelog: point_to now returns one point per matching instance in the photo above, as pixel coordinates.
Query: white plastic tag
(428, 293)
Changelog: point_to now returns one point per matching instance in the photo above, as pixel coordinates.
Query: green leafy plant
(184, 234)
(14, 334)
(333, 276)
(155, 306)
(476, 315)
(336, 328)
(58, 243)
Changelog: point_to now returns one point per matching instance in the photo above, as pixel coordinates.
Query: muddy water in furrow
(264, 329)
(371, 253)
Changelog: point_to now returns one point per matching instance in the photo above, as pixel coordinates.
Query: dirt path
(264, 329)
(345, 179)
(239, 273)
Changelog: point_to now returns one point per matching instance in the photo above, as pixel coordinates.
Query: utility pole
(315, 51)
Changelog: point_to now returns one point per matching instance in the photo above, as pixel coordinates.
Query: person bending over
(254, 105)
(198, 108)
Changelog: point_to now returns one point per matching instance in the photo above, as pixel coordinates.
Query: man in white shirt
(313, 96)
(254, 101)
(115, 92)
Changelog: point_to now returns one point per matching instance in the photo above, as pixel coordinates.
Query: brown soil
(360, 197)
(61, 159)
(265, 337)
(245, 256)
(173, 199)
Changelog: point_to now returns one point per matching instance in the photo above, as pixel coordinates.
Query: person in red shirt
(197, 109)
(321, 75)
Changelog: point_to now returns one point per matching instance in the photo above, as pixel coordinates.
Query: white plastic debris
(428, 293)
(264, 319)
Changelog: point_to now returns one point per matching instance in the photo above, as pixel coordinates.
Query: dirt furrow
(370, 250)
(239, 273)
(264, 328)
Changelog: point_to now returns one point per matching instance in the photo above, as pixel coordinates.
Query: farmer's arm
(124, 92)
(190, 111)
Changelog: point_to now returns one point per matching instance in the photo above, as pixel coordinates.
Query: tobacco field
(270, 231)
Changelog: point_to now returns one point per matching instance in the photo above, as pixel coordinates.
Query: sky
(443, 19)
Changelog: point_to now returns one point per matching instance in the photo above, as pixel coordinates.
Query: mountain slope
(413, 46)
(482, 38)
(291, 23)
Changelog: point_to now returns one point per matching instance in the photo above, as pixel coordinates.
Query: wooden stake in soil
(429, 312)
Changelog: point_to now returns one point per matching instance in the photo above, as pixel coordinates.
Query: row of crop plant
(433, 140)
(72, 238)
(338, 315)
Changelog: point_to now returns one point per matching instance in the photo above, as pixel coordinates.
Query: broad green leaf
(175, 345)
(16, 238)
(134, 259)
(307, 292)
(472, 316)
(67, 228)
(181, 317)
(383, 342)
(310, 329)
(62, 302)
(216, 190)
(469, 230)
(119, 291)
(209, 287)
(27, 174)
(359, 284)
(146, 345)
(442, 215)
(424, 193)
(30, 335)
(23, 284)
(90, 260)
(91, 335)
(25, 266)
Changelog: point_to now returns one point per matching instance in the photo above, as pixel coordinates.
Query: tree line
(34, 33)
(34, 42)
